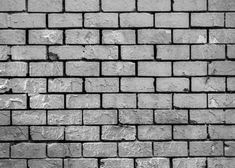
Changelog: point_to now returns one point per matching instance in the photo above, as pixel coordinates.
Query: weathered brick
(12, 37)
(171, 116)
(100, 149)
(189, 36)
(13, 133)
(119, 100)
(137, 84)
(153, 162)
(47, 132)
(135, 149)
(206, 148)
(99, 117)
(135, 116)
(45, 5)
(222, 36)
(118, 133)
(189, 5)
(176, 20)
(154, 68)
(221, 5)
(207, 19)
(153, 36)
(64, 150)
(82, 36)
(83, 101)
(154, 5)
(136, 20)
(82, 5)
(102, 84)
(154, 132)
(191, 100)
(137, 52)
(28, 150)
(101, 20)
(213, 84)
(118, 68)
(13, 69)
(222, 68)
(64, 117)
(82, 162)
(45, 36)
(190, 132)
(172, 84)
(4, 20)
(194, 68)
(189, 162)
(5, 117)
(13, 101)
(229, 148)
(65, 20)
(29, 117)
(12, 5)
(207, 116)
(221, 100)
(65, 85)
(221, 132)
(4, 150)
(50, 163)
(82, 68)
(118, 36)
(230, 51)
(117, 163)
(173, 52)
(13, 163)
(230, 21)
(121, 5)
(221, 162)
(82, 133)
(28, 52)
(4, 52)
(230, 116)
(154, 100)
(230, 84)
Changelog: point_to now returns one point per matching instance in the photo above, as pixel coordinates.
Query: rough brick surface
(117, 83)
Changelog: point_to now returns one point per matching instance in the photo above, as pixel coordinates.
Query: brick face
(117, 84)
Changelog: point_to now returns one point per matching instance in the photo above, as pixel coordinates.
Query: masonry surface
(117, 83)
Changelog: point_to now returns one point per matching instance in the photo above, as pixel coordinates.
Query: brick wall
(117, 83)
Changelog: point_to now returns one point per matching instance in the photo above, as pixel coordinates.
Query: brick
(190, 132)
(25, 20)
(152, 36)
(4, 150)
(82, 68)
(170, 149)
(12, 5)
(189, 162)
(29, 117)
(28, 150)
(45, 6)
(176, 20)
(224, 162)
(12, 163)
(12, 37)
(82, 133)
(172, 84)
(83, 101)
(65, 85)
(13, 69)
(117, 163)
(154, 101)
(207, 116)
(154, 132)
(136, 20)
(65, 20)
(154, 69)
(137, 52)
(222, 36)
(64, 117)
(99, 117)
(222, 68)
(171, 116)
(189, 5)
(192, 100)
(5, 117)
(101, 20)
(47, 133)
(208, 51)
(102, 84)
(82, 5)
(152, 162)
(207, 19)
(121, 5)
(118, 68)
(229, 116)
(100, 149)
(221, 132)
(230, 84)
(190, 36)
(221, 5)
(4, 52)
(118, 36)
(230, 21)
(137, 84)
(172, 52)
(135, 116)
(208, 84)
(229, 148)
(194, 68)
(13, 133)
(154, 5)
(82, 162)
(64, 149)
(47, 101)
(13, 101)
(206, 148)
(45, 36)
(82, 36)
(135, 149)
(28, 52)
(119, 100)
(4, 20)
(114, 133)
(37, 163)
(221, 100)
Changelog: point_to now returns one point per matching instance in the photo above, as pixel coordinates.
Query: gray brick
(190, 100)
(13, 101)
(118, 68)
(45, 36)
(136, 20)
(221, 100)
(221, 132)
(222, 68)
(189, 36)
(230, 84)
(190, 68)
(137, 84)
(172, 84)
(154, 68)
(117, 163)
(229, 116)
(101, 20)
(173, 52)
(153, 162)
(83, 162)
(206, 148)
(13, 69)
(100, 149)
(230, 21)
(45, 5)
(121, 5)
(119, 100)
(190, 5)
(82, 36)
(171, 116)
(207, 19)
(190, 132)
(5, 117)
(102, 84)
(82, 5)
(230, 52)
(118, 36)
(154, 5)
(82, 68)
(135, 149)
(224, 162)
(189, 162)
(222, 36)
(13, 163)
(47, 133)
(137, 52)
(28, 52)
(83, 101)
(4, 52)
(64, 149)
(12, 37)
(65, 85)
(207, 116)
(4, 150)
(154, 101)
(13, 133)
(12, 5)
(65, 20)
(229, 148)
(221, 5)
(152, 36)
(50, 163)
